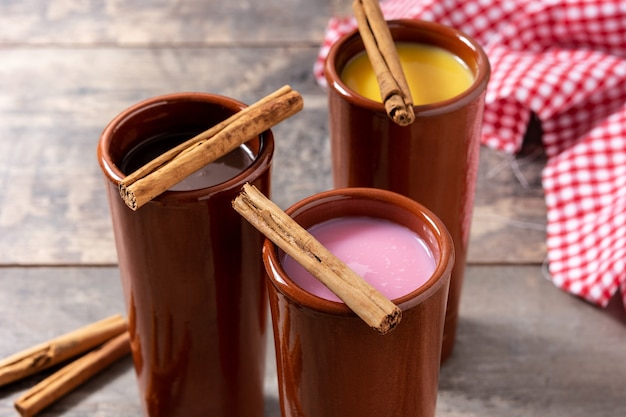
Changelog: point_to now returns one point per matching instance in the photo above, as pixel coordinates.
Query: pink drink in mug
(391, 257)
(329, 362)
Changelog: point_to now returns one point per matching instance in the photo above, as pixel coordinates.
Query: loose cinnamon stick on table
(383, 55)
(367, 302)
(173, 166)
(57, 350)
(69, 377)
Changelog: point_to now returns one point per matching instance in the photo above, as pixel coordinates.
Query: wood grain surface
(67, 67)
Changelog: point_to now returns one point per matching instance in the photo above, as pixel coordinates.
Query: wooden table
(68, 67)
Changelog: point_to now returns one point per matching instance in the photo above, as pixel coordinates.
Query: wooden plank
(163, 22)
(524, 348)
(55, 102)
(527, 349)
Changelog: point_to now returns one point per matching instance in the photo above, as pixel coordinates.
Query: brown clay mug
(329, 362)
(191, 270)
(433, 161)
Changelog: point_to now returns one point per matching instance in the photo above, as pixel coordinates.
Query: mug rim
(481, 76)
(113, 174)
(437, 279)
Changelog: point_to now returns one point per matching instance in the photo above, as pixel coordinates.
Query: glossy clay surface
(329, 362)
(433, 161)
(191, 273)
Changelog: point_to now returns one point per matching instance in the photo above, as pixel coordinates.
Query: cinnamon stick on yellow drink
(433, 73)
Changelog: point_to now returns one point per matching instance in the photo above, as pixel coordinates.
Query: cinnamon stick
(383, 55)
(54, 351)
(173, 166)
(367, 302)
(69, 377)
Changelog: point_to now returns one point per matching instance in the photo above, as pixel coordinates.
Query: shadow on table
(616, 309)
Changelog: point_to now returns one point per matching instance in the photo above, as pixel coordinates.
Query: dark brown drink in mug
(191, 271)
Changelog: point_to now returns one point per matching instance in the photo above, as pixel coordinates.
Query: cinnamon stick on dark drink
(178, 163)
(383, 55)
(367, 302)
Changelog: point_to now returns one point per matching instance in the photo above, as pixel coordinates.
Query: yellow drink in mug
(434, 160)
(433, 73)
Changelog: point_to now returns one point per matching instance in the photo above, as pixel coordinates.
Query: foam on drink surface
(391, 257)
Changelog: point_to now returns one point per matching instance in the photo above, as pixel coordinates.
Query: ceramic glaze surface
(329, 362)
(433, 161)
(191, 273)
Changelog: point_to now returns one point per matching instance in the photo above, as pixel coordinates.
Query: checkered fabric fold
(565, 61)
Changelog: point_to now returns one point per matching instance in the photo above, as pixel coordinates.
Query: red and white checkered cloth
(565, 61)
